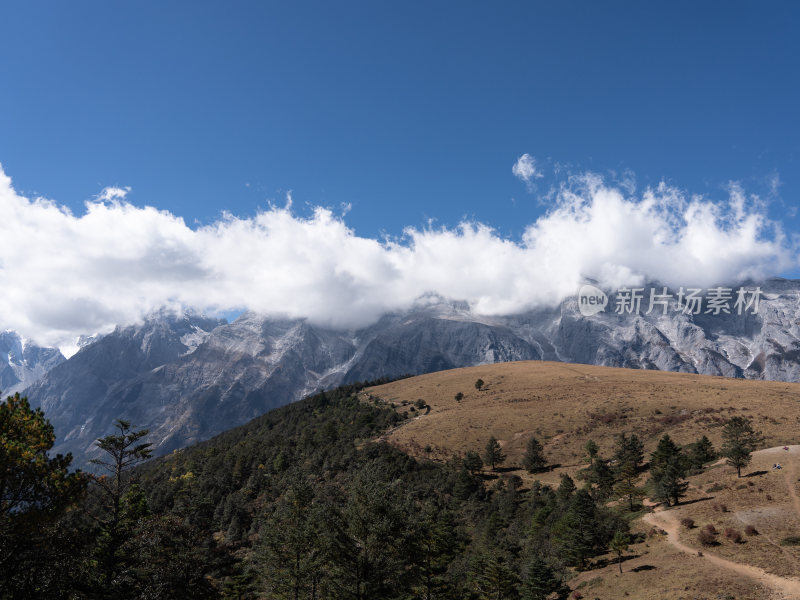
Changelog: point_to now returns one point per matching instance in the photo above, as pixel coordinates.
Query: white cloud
(63, 274)
(525, 169)
(111, 194)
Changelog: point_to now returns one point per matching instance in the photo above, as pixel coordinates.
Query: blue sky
(405, 113)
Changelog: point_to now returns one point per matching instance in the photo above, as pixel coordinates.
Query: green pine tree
(534, 460)
(619, 545)
(575, 534)
(493, 454)
(543, 583)
(739, 441)
(701, 452)
(123, 451)
(668, 469)
(472, 462)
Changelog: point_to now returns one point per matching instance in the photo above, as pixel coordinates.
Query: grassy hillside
(565, 405)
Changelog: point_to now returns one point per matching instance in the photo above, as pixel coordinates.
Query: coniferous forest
(299, 503)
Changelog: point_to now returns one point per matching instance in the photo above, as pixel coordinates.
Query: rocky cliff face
(189, 378)
(23, 363)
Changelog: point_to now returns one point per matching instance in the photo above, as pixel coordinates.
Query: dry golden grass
(564, 405)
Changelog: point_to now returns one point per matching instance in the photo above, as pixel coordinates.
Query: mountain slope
(83, 395)
(23, 363)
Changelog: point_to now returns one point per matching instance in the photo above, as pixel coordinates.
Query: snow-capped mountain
(189, 378)
(23, 363)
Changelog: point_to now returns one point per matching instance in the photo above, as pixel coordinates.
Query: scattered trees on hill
(534, 460)
(739, 441)
(459, 396)
(493, 454)
(479, 384)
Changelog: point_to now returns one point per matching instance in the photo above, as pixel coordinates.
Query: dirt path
(786, 588)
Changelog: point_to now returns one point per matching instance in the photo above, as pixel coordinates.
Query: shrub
(711, 529)
(793, 540)
(750, 530)
(688, 523)
(706, 537)
(420, 403)
(733, 535)
(769, 497)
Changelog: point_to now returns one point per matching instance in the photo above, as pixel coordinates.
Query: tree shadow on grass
(755, 474)
(695, 501)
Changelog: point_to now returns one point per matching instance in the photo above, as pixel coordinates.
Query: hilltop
(563, 405)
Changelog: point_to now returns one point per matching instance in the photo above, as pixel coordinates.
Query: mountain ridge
(232, 372)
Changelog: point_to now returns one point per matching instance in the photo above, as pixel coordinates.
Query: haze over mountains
(189, 377)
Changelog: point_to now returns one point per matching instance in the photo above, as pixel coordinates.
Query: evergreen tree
(592, 451)
(291, 549)
(628, 456)
(472, 462)
(479, 384)
(493, 454)
(543, 583)
(629, 452)
(668, 468)
(619, 545)
(575, 533)
(701, 452)
(436, 544)
(534, 460)
(739, 441)
(466, 484)
(493, 579)
(171, 560)
(566, 489)
(371, 539)
(627, 478)
(36, 545)
(124, 451)
(601, 477)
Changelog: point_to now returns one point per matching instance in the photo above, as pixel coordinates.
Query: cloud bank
(64, 274)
